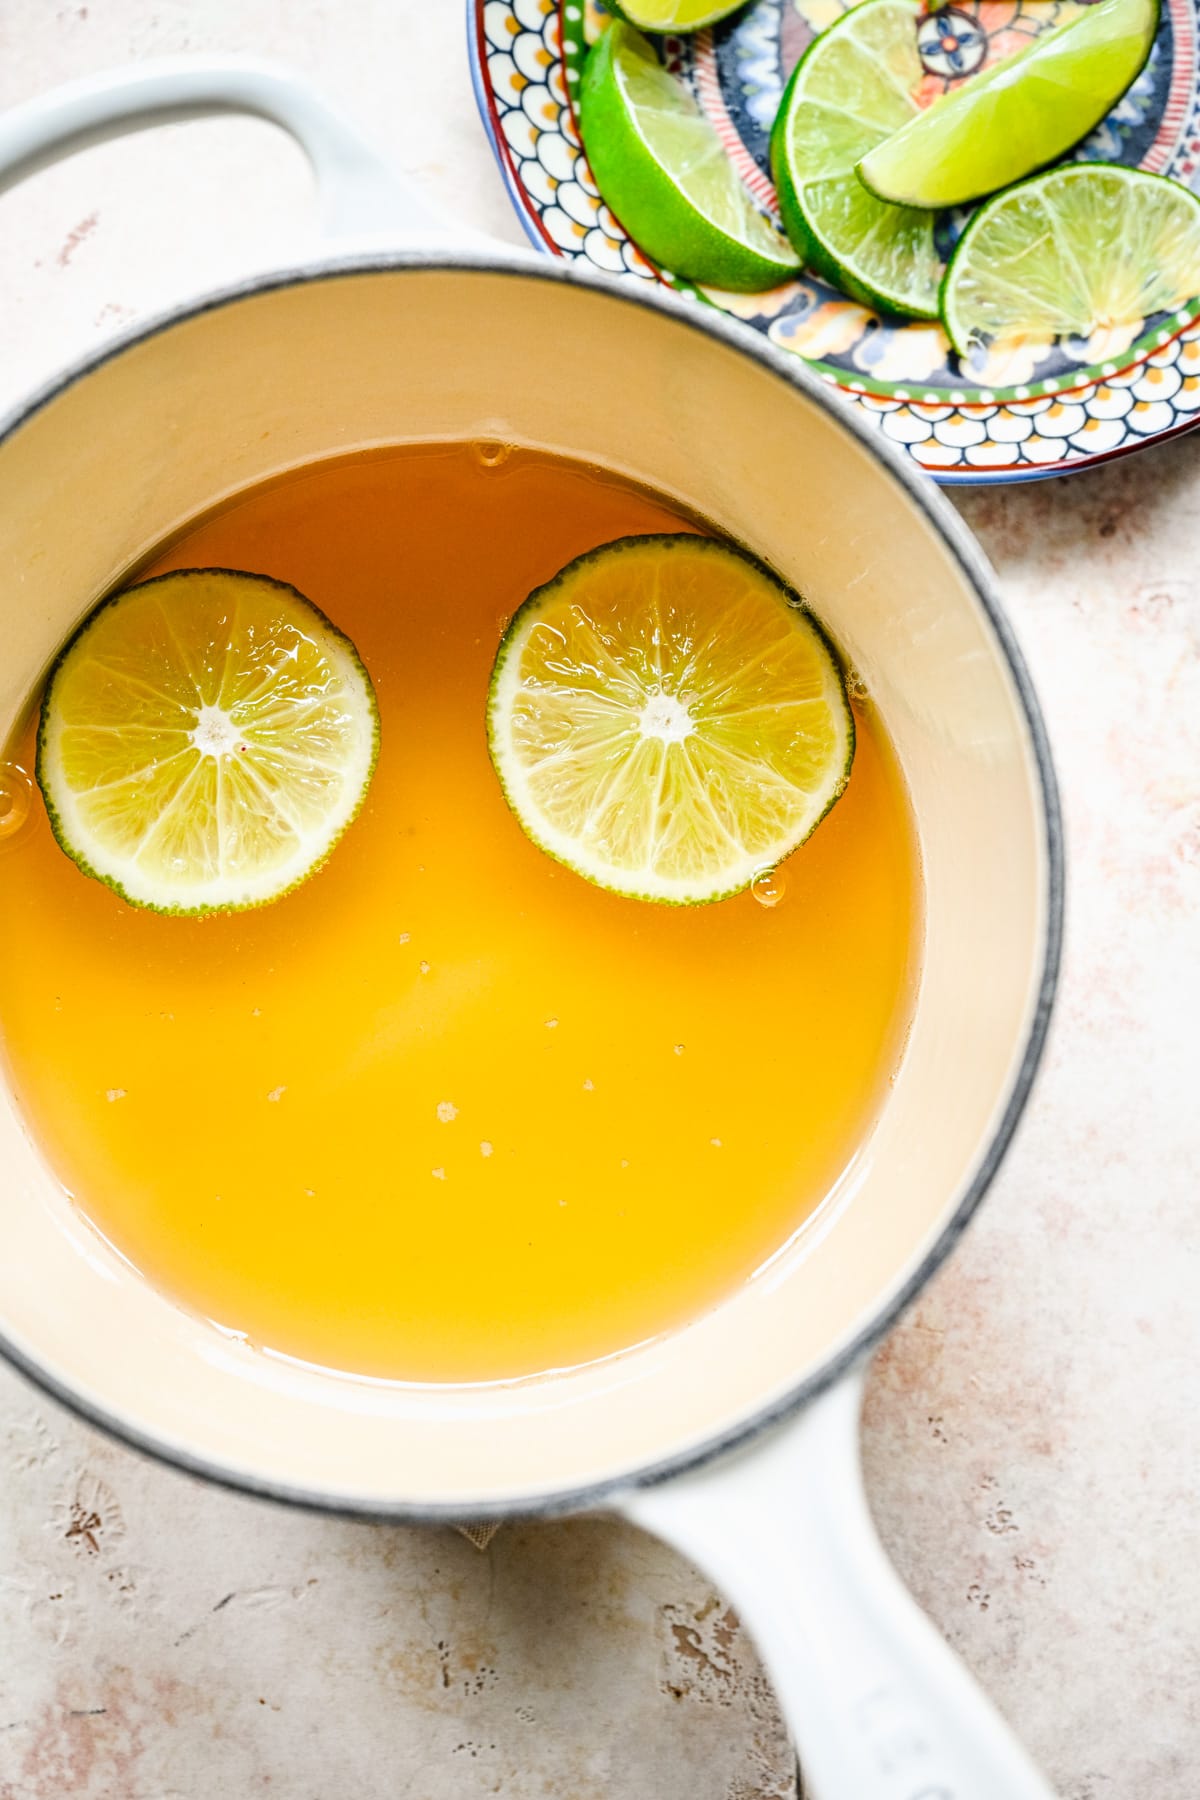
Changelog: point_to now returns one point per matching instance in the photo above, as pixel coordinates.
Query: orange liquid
(448, 1112)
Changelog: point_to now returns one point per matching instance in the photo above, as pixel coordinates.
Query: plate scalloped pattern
(1046, 410)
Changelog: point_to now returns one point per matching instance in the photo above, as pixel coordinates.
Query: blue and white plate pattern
(1037, 409)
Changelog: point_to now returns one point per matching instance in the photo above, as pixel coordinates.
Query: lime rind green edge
(812, 248)
(575, 51)
(977, 220)
(793, 603)
(109, 881)
(1055, 386)
(776, 273)
(1052, 162)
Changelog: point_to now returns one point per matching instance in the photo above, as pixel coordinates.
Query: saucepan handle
(359, 193)
(879, 1706)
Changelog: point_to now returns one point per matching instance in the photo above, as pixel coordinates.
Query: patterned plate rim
(917, 414)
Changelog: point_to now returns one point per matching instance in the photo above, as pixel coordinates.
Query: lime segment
(666, 719)
(1017, 116)
(205, 739)
(851, 90)
(673, 15)
(1083, 247)
(662, 169)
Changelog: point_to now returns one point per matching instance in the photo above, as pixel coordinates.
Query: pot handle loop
(359, 193)
(878, 1704)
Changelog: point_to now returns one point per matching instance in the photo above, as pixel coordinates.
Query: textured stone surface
(1033, 1433)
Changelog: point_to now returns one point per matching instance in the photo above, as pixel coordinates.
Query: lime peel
(661, 168)
(1021, 114)
(673, 15)
(853, 87)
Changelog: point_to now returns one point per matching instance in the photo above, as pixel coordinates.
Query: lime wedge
(206, 738)
(667, 719)
(1084, 246)
(661, 168)
(1018, 116)
(852, 89)
(673, 15)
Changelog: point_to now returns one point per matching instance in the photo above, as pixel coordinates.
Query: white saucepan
(735, 1438)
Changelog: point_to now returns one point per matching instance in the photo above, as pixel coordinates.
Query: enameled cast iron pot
(737, 1437)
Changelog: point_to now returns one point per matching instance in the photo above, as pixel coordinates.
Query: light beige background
(1033, 1436)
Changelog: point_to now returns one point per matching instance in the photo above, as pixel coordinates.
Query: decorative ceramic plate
(1036, 408)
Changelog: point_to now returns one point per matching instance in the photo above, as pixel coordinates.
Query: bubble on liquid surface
(446, 1110)
(491, 453)
(16, 799)
(768, 887)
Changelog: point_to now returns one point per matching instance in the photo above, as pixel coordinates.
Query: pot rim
(967, 554)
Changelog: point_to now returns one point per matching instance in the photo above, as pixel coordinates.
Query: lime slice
(206, 738)
(673, 15)
(667, 719)
(661, 168)
(1018, 116)
(1082, 247)
(850, 90)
